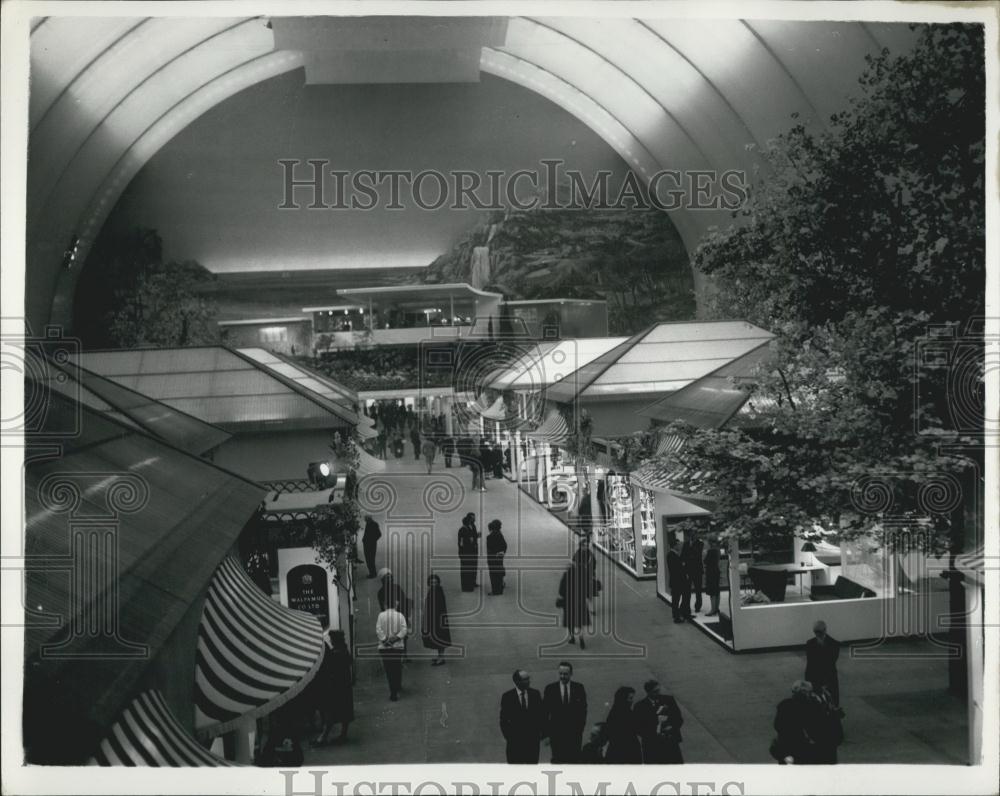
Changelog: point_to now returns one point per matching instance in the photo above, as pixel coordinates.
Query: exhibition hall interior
(485, 389)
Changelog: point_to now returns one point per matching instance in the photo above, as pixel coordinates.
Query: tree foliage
(129, 297)
(864, 238)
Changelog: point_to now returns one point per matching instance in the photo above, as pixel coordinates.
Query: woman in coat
(429, 450)
(575, 589)
(621, 731)
(434, 626)
(468, 552)
(335, 683)
(496, 549)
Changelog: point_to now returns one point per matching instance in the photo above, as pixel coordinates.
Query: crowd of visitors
(646, 732)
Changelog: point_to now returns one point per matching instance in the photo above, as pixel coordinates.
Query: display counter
(628, 533)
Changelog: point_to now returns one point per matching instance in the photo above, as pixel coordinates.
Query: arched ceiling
(107, 93)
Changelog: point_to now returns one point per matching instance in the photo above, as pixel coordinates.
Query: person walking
(692, 553)
(565, 705)
(712, 576)
(415, 440)
(822, 652)
(369, 541)
(623, 737)
(391, 630)
(468, 552)
(522, 720)
(429, 449)
(658, 721)
(447, 450)
(795, 723)
(434, 630)
(678, 582)
(496, 549)
(585, 559)
(575, 590)
(335, 680)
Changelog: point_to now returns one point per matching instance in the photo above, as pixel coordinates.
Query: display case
(628, 536)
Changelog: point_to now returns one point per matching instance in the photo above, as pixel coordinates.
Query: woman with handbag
(496, 549)
(575, 590)
(434, 630)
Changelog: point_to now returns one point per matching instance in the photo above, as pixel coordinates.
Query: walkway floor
(898, 709)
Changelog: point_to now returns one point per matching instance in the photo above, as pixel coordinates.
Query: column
(449, 404)
(515, 456)
(547, 453)
(246, 732)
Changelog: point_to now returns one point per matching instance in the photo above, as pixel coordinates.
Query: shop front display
(628, 536)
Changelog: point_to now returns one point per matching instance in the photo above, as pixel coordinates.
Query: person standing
(468, 552)
(712, 576)
(415, 439)
(822, 652)
(369, 541)
(658, 721)
(575, 590)
(522, 720)
(429, 449)
(565, 705)
(336, 686)
(391, 630)
(602, 505)
(496, 549)
(584, 514)
(434, 629)
(795, 722)
(447, 449)
(692, 553)
(623, 739)
(679, 588)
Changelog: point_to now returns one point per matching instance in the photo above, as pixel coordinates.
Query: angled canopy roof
(306, 378)
(538, 366)
(416, 296)
(710, 402)
(165, 521)
(137, 410)
(662, 359)
(219, 385)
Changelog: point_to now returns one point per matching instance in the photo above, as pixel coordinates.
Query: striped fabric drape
(553, 429)
(253, 653)
(147, 734)
(368, 464)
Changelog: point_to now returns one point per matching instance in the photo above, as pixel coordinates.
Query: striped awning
(669, 443)
(680, 479)
(368, 464)
(147, 734)
(973, 565)
(553, 429)
(253, 654)
(366, 427)
(497, 411)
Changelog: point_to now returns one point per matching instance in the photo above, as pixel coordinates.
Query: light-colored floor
(898, 709)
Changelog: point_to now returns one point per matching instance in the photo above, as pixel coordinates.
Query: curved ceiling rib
(89, 101)
(581, 39)
(789, 77)
(149, 142)
(62, 49)
(587, 110)
(683, 94)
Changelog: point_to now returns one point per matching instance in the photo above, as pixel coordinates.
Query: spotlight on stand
(318, 474)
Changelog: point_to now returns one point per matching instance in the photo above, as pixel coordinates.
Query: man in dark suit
(680, 587)
(370, 543)
(565, 715)
(522, 720)
(658, 721)
(822, 652)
